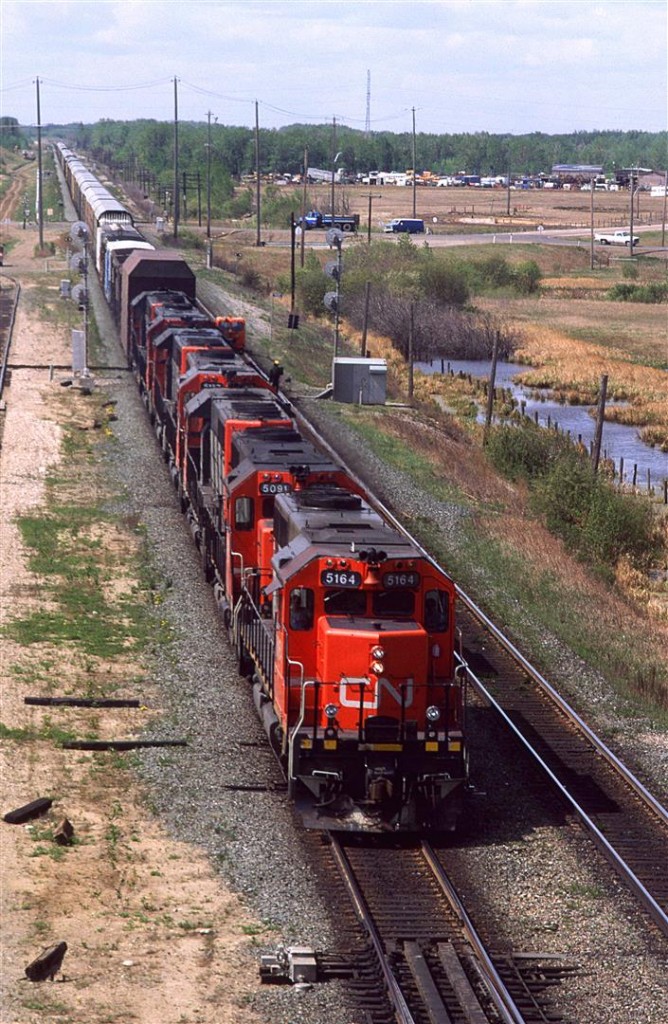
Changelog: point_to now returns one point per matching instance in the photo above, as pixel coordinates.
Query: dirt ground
(152, 933)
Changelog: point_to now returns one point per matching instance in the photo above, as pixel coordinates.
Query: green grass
(532, 604)
(397, 453)
(70, 562)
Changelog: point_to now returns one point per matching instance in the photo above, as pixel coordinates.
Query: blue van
(409, 225)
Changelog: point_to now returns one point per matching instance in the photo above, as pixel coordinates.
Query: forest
(149, 144)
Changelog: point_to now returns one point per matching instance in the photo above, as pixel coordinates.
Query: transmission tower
(367, 123)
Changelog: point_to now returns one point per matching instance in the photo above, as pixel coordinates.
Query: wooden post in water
(490, 392)
(600, 416)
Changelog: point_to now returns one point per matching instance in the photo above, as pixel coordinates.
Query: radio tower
(367, 123)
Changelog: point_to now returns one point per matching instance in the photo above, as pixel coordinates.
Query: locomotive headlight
(377, 668)
(433, 713)
(377, 653)
(331, 710)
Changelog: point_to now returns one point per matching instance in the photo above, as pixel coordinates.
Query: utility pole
(258, 240)
(663, 223)
(208, 175)
(365, 325)
(591, 218)
(302, 239)
(292, 262)
(508, 192)
(40, 216)
(370, 196)
(631, 218)
(411, 346)
(414, 168)
(491, 385)
(176, 159)
(333, 163)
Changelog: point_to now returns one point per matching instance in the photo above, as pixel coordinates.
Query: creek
(620, 442)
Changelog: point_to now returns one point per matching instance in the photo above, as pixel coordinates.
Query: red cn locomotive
(354, 672)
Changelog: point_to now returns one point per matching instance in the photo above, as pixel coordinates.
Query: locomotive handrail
(298, 724)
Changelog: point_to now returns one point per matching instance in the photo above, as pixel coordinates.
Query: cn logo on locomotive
(350, 690)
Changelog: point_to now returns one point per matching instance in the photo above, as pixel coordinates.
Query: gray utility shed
(359, 380)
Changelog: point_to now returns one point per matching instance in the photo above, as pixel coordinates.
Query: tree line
(149, 144)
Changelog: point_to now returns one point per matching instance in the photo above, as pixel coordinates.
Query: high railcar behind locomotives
(345, 628)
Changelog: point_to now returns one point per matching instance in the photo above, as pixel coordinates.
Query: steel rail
(598, 744)
(501, 997)
(404, 1015)
(10, 332)
(657, 914)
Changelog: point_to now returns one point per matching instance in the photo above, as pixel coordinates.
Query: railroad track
(625, 821)
(434, 968)
(9, 296)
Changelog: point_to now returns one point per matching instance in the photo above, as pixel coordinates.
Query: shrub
(493, 271)
(278, 205)
(239, 205)
(576, 504)
(525, 452)
(311, 283)
(527, 277)
(652, 292)
(444, 283)
(617, 525)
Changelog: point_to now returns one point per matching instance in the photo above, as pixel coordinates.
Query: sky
(498, 66)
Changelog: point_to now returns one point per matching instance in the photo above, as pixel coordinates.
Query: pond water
(619, 441)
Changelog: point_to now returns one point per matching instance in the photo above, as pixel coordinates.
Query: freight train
(344, 628)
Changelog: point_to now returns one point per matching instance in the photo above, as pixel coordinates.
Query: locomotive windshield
(345, 602)
(393, 603)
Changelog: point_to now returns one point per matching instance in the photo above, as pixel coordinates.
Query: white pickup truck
(615, 238)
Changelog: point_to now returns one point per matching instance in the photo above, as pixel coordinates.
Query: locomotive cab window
(244, 513)
(436, 611)
(390, 604)
(345, 602)
(301, 608)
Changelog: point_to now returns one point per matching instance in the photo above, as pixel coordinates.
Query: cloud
(495, 65)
